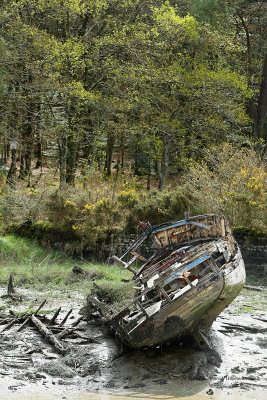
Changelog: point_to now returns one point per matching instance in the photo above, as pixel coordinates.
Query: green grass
(250, 302)
(38, 268)
(256, 279)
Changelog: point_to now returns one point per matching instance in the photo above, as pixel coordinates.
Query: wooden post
(54, 317)
(65, 318)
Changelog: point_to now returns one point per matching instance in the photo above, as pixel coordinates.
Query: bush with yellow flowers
(231, 182)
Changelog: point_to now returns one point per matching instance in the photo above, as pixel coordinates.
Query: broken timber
(195, 272)
(46, 331)
(48, 335)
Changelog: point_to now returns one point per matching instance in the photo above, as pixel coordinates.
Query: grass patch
(250, 302)
(257, 279)
(113, 294)
(38, 268)
(14, 249)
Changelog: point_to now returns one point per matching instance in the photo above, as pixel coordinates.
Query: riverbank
(95, 364)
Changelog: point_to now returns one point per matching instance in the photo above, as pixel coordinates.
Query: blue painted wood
(188, 267)
(180, 223)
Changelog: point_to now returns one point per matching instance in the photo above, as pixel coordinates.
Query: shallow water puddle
(170, 394)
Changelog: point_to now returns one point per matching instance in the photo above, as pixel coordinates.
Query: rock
(210, 392)
(78, 270)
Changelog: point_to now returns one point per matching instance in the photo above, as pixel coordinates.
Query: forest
(118, 110)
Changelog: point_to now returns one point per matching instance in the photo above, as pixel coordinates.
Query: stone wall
(118, 245)
(255, 258)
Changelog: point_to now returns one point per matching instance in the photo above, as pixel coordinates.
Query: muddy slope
(94, 361)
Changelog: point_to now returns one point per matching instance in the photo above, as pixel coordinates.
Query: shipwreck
(196, 270)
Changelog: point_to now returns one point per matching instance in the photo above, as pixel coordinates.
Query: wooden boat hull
(197, 309)
(196, 271)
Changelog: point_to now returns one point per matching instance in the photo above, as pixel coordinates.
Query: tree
(138, 81)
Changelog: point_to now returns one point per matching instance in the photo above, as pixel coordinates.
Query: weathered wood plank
(48, 335)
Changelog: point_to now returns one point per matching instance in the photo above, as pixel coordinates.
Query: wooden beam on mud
(48, 335)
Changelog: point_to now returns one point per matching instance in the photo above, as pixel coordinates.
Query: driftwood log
(48, 335)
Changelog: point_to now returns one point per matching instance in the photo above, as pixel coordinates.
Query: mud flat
(95, 368)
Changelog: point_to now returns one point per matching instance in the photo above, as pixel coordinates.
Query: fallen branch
(10, 324)
(65, 333)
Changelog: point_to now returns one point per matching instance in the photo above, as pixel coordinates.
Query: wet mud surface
(95, 361)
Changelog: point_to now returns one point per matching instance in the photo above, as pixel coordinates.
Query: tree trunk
(39, 149)
(120, 162)
(27, 143)
(109, 152)
(62, 162)
(22, 165)
(72, 150)
(39, 155)
(137, 157)
(10, 180)
(148, 182)
(162, 172)
(88, 141)
(262, 104)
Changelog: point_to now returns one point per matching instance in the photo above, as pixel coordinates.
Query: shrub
(232, 182)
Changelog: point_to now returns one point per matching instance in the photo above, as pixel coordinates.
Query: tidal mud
(96, 362)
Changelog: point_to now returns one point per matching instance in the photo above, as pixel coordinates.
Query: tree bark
(148, 182)
(120, 162)
(162, 173)
(62, 162)
(10, 180)
(109, 152)
(39, 153)
(262, 104)
(71, 157)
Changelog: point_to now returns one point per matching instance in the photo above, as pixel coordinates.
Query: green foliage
(21, 250)
(250, 235)
(232, 182)
(102, 92)
(215, 12)
(148, 78)
(34, 266)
